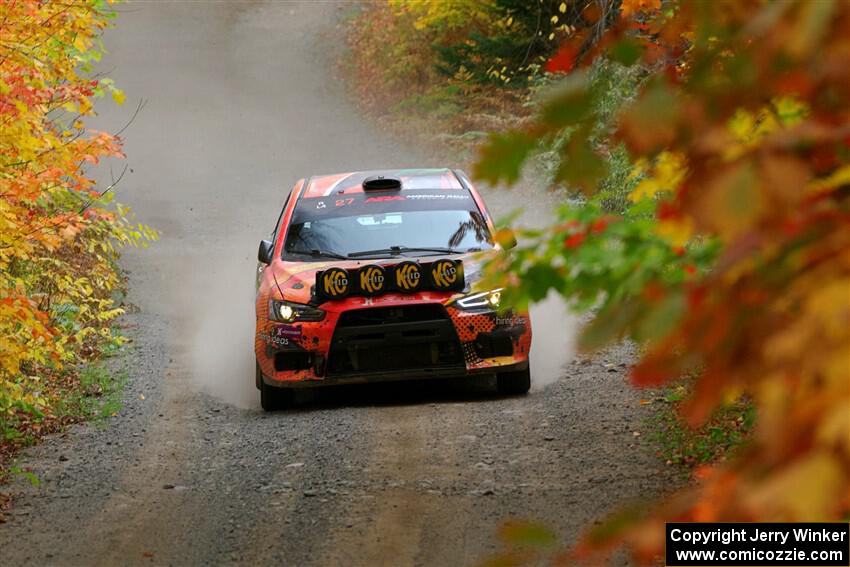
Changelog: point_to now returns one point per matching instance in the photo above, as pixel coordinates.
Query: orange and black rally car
(370, 276)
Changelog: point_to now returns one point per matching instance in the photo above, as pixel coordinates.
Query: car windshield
(367, 229)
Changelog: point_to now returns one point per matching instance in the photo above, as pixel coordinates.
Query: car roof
(411, 179)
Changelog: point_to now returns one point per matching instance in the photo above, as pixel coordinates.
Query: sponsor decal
(273, 340)
(283, 331)
(512, 321)
(387, 198)
(335, 283)
(445, 274)
(437, 197)
(372, 279)
(408, 276)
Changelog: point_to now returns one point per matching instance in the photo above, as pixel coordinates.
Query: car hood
(297, 279)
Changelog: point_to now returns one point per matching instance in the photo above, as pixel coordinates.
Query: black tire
(514, 383)
(271, 398)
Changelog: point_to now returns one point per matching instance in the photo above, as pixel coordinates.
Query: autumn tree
(731, 261)
(58, 231)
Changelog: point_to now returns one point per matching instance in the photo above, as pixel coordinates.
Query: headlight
(288, 312)
(485, 299)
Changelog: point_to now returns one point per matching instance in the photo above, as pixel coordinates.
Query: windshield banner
(348, 205)
(404, 277)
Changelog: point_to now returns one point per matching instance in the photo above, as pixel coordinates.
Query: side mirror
(264, 254)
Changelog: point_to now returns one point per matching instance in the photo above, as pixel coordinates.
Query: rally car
(370, 276)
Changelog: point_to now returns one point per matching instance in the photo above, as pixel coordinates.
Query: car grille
(399, 314)
(386, 339)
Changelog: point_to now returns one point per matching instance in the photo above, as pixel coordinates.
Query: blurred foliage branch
(730, 260)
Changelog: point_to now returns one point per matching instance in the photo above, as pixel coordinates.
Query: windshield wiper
(397, 250)
(316, 253)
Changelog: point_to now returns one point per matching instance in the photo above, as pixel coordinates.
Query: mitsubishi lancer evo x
(369, 276)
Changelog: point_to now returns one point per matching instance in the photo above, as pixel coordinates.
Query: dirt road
(242, 99)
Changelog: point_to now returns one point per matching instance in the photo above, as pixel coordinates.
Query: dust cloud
(222, 341)
(554, 327)
(553, 341)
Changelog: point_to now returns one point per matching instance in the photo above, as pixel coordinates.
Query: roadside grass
(97, 397)
(726, 432)
(92, 393)
(86, 391)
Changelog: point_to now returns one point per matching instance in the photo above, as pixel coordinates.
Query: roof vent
(381, 183)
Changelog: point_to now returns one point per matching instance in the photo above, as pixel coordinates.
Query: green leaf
(570, 103)
(539, 279)
(626, 51)
(581, 165)
(502, 157)
(608, 326)
(662, 318)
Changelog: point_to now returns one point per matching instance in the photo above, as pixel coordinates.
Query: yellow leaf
(670, 170)
(646, 189)
(666, 175)
(81, 42)
(675, 231)
(790, 494)
(639, 168)
(118, 96)
(839, 177)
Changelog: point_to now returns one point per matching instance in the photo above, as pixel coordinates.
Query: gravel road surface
(242, 99)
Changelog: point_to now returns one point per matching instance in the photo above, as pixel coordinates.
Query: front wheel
(514, 383)
(271, 398)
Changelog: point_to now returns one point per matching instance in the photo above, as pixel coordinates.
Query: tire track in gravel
(392, 536)
(132, 510)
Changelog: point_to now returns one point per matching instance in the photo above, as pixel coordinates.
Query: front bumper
(395, 376)
(396, 340)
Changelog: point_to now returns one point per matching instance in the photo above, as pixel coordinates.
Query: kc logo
(372, 279)
(408, 276)
(335, 282)
(445, 273)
